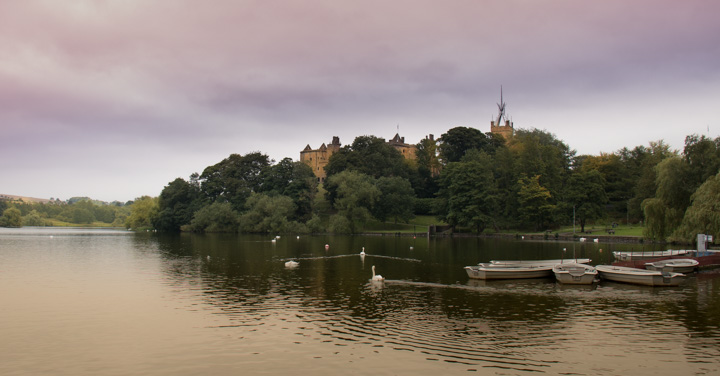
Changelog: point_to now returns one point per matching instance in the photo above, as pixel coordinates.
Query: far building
(407, 150)
(317, 159)
(501, 125)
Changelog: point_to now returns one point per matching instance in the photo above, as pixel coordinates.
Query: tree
(534, 200)
(368, 155)
(617, 182)
(664, 212)
(142, 213)
(33, 219)
(703, 216)
(216, 217)
(586, 194)
(396, 199)
(641, 163)
(295, 180)
(234, 179)
(356, 197)
(702, 157)
(267, 214)
(457, 141)
(12, 217)
(540, 153)
(177, 204)
(468, 191)
(428, 168)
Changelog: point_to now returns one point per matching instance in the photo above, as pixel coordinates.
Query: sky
(115, 99)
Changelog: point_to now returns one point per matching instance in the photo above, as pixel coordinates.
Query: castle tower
(407, 150)
(507, 129)
(317, 159)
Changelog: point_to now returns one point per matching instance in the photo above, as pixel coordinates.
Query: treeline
(468, 179)
(75, 211)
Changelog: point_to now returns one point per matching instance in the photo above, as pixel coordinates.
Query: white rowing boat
(516, 271)
(639, 276)
(539, 262)
(575, 273)
(673, 265)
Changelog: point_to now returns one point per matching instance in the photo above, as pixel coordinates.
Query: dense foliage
(77, 211)
(471, 180)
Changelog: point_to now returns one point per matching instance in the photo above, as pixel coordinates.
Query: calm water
(104, 302)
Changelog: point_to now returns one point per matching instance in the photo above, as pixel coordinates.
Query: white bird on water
(362, 253)
(292, 264)
(376, 277)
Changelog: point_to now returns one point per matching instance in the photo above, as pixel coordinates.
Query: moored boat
(575, 273)
(623, 256)
(639, 276)
(539, 262)
(516, 271)
(673, 265)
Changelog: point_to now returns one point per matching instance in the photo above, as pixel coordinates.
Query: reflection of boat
(637, 255)
(673, 265)
(510, 271)
(639, 276)
(575, 273)
(539, 262)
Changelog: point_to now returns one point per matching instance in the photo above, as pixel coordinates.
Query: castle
(317, 159)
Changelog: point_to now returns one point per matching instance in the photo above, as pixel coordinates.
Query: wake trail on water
(351, 255)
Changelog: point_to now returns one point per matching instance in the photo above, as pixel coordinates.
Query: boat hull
(540, 262)
(489, 271)
(624, 256)
(673, 265)
(639, 276)
(575, 274)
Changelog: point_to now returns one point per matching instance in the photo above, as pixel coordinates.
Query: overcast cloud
(114, 99)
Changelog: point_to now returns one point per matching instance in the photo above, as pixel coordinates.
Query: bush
(425, 206)
(340, 225)
(315, 224)
(218, 217)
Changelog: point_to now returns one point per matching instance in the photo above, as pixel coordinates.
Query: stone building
(317, 159)
(407, 150)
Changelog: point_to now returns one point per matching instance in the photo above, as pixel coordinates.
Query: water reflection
(427, 306)
(221, 304)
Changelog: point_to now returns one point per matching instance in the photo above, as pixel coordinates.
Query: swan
(362, 253)
(376, 277)
(292, 264)
(273, 240)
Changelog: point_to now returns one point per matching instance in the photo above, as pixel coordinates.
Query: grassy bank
(420, 224)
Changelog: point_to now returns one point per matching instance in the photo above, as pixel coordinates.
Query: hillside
(23, 198)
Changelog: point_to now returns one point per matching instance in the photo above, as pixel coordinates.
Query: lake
(112, 302)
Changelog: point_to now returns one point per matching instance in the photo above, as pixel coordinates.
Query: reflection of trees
(427, 306)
